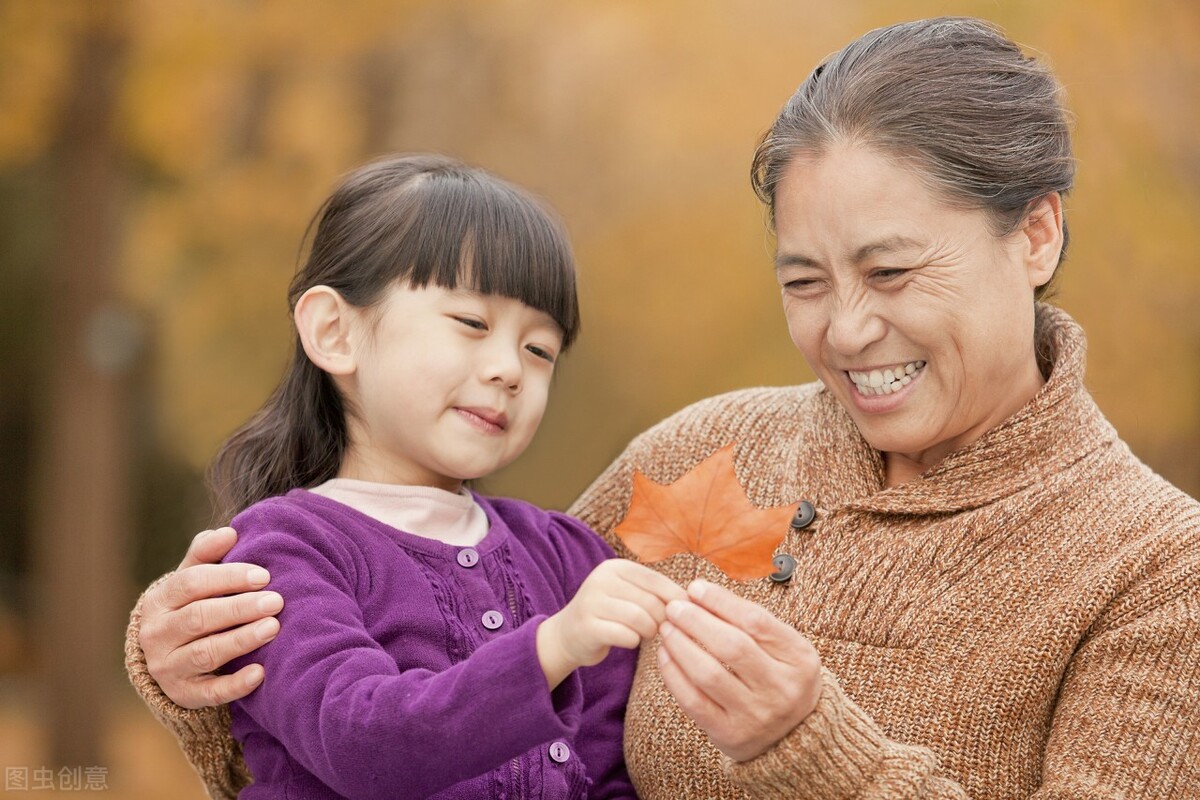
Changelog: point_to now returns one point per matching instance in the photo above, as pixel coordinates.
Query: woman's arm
(181, 630)
(1128, 713)
(1126, 724)
(755, 685)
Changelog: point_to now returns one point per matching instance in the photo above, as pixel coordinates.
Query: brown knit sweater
(1021, 621)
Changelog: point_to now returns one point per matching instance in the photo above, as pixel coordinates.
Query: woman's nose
(854, 325)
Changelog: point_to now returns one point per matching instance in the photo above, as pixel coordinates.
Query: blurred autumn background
(160, 159)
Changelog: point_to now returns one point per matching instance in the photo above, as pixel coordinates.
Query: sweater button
(492, 620)
(559, 752)
(468, 557)
(785, 566)
(805, 514)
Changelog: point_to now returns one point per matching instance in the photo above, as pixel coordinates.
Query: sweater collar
(1059, 426)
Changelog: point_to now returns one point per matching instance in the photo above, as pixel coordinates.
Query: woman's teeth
(885, 381)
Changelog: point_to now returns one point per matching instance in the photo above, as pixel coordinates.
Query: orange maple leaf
(706, 513)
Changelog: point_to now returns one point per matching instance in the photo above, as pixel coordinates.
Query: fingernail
(258, 577)
(254, 676)
(270, 603)
(266, 630)
(697, 588)
(666, 629)
(675, 608)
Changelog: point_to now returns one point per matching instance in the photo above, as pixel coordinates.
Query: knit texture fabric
(203, 733)
(1021, 621)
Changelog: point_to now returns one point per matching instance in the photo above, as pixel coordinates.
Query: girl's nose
(503, 368)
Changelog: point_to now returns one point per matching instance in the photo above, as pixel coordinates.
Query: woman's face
(909, 310)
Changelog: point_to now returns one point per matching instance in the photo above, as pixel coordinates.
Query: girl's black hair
(416, 218)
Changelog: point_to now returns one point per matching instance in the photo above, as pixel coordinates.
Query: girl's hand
(620, 604)
(745, 677)
(190, 628)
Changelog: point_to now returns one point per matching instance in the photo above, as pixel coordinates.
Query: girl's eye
(540, 352)
(471, 322)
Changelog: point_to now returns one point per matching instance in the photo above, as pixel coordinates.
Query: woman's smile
(878, 391)
(885, 380)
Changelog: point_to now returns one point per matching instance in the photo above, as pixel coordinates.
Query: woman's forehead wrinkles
(889, 244)
(794, 260)
(885, 246)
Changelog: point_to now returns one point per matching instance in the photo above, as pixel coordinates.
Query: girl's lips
(484, 419)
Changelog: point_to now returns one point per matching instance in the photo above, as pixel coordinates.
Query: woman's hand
(620, 604)
(746, 678)
(189, 628)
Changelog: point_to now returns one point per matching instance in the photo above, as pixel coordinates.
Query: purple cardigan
(406, 667)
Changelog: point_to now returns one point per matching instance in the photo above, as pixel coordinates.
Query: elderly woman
(984, 594)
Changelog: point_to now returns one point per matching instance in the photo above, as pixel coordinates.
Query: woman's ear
(1042, 238)
(325, 323)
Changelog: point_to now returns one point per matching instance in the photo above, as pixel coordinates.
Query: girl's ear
(325, 323)
(1043, 237)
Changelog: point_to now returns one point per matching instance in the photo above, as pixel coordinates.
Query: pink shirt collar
(451, 517)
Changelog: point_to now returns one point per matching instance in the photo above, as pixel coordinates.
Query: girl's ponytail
(298, 438)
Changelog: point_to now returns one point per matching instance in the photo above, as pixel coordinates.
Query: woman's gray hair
(982, 124)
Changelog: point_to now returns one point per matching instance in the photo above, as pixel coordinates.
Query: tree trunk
(81, 500)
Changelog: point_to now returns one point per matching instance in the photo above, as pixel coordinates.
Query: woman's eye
(541, 353)
(800, 285)
(889, 273)
(471, 322)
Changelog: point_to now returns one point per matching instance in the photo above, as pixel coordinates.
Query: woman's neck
(899, 469)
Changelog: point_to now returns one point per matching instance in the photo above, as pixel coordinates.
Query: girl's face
(448, 385)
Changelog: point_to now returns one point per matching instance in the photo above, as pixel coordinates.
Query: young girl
(433, 641)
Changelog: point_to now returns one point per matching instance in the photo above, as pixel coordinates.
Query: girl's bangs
(487, 236)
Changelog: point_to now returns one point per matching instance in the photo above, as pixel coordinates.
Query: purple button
(559, 752)
(492, 620)
(467, 557)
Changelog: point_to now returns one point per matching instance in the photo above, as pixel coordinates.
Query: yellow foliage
(35, 41)
(637, 121)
